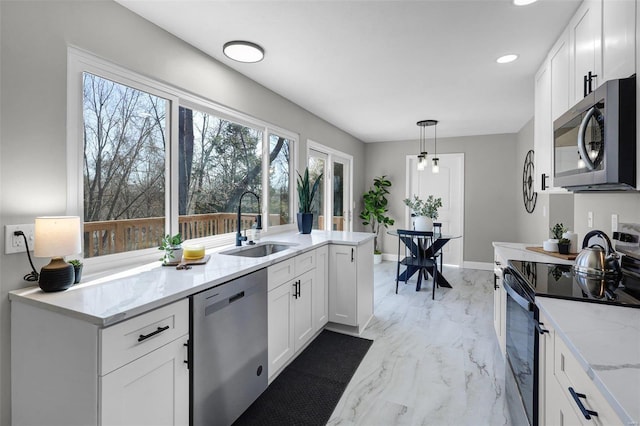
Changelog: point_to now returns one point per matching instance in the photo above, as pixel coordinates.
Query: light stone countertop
(518, 251)
(606, 342)
(107, 301)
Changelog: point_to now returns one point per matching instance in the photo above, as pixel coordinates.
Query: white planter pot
(423, 223)
(377, 258)
(550, 245)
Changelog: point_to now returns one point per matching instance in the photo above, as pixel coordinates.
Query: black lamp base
(58, 275)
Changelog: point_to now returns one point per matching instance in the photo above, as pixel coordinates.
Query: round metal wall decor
(528, 194)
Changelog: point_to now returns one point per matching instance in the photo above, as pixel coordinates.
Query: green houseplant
(424, 212)
(77, 269)
(172, 247)
(375, 208)
(557, 231)
(306, 193)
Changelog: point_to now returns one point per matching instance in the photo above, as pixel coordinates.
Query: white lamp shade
(57, 236)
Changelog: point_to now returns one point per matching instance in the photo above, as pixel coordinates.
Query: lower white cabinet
(68, 371)
(499, 302)
(152, 390)
(297, 301)
(565, 389)
(350, 285)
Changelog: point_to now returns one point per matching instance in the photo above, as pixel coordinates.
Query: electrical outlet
(15, 243)
(614, 222)
(590, 219)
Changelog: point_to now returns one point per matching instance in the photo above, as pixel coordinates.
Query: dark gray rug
(308, 390)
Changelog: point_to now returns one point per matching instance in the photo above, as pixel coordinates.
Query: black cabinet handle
(495, 282)
(299, 282)
(351, 255)
(544, 181)
(585, 86)
(540, 329)
(153, 333)
(186, 361)
(576, 397)
(295, 290)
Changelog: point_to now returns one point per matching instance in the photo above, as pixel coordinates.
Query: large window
(150, 167)
(124, 167)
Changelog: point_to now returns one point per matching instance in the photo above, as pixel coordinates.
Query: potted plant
(563, 245)
(306, 193)
(551, 244)
(424, 212)
(77, 269)
(172, 247)
(375, 211)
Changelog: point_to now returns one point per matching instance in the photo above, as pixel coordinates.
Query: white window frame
(80, 61)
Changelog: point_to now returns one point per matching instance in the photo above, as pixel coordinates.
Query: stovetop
(553, 280)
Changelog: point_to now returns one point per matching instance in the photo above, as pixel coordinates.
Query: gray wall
(489, 209)
(34, 38)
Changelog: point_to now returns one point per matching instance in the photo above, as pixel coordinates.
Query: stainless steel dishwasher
(228, 349)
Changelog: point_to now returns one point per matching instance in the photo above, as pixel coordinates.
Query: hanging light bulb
(421, 162)
(581, 164)
(435, 168)
(423, 155)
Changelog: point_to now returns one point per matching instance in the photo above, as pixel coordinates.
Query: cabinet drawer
(131, 339)
(280, 273)
(305, 262)
(569, 373)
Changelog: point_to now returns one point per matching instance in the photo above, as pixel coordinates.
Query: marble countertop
(606, 342)
(138, 290)
(518, 251)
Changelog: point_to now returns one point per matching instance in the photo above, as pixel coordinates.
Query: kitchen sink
(258, 250)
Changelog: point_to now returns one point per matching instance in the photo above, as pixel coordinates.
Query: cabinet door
(320, 298)
(559, 68)
(302, 309)
(342, 285)
(152, 390)
(618, 44)
(586, 51)
(280, 326)
(542, 127)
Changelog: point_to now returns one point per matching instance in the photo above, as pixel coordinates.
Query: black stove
(554, 280)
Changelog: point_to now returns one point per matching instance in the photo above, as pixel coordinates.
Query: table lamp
(55, 237)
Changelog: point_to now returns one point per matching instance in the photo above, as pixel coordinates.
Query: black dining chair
(437, 230)
(417, 257)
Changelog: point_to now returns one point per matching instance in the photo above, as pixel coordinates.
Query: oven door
(522, 352)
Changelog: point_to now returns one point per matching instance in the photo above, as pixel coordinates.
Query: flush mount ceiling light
(523, 2)
(243, 51)
(507, 58)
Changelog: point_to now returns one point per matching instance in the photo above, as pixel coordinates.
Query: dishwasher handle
(236, 297)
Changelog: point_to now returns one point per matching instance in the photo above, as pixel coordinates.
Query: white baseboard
(483, 266)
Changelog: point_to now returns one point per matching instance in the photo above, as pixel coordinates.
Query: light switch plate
(590, 219)
(614, 222)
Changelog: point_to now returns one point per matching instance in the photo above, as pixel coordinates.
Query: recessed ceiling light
(243, 51)
(506, 59)
(523, 2)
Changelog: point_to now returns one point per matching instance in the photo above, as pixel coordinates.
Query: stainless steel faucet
(239, 237)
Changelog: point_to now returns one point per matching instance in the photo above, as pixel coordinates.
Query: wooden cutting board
(570, 256)
(202, 261)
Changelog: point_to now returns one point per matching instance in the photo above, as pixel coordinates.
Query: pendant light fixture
(422, 156)
(435, 168)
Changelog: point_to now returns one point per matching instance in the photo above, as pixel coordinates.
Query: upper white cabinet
(543, 129)
(618, 39)
(585, 34)
(560, 87)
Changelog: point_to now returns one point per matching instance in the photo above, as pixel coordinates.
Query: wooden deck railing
(117, 236)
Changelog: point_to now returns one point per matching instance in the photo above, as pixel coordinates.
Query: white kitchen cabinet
(559, 57)
(543, 129)
(152, 390)
(292, 285)
(109, 375)
(559, 371)
(320, 298)
(618, 39)
(350, 286)
(585, 35)
(499, 302)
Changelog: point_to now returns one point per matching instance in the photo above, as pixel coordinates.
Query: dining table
(439, 241)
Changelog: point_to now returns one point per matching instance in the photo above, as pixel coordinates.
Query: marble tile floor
(433, 362)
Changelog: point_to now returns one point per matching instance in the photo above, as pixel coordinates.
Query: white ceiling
(375, 68)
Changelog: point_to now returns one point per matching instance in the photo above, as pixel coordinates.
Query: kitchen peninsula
(89, 343)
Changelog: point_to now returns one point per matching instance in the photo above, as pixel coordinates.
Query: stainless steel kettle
(596, 269)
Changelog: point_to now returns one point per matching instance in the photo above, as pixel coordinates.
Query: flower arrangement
(428, 208)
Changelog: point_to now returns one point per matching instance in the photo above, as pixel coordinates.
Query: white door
(448, 184)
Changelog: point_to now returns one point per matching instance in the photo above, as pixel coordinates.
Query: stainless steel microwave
(594, 143)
